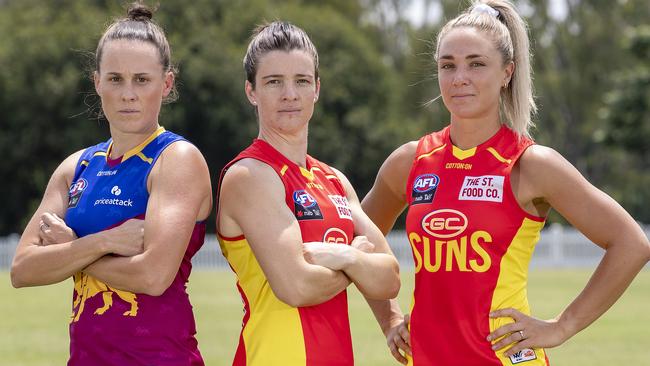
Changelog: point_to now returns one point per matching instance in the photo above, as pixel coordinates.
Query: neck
(123, 142)
(468, 133)
(292, 146)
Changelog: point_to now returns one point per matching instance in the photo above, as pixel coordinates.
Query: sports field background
(34, 321)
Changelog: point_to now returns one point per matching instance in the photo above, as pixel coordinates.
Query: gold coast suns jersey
(274, 333)
(472, 244)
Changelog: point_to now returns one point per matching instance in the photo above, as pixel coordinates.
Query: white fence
(559, 246)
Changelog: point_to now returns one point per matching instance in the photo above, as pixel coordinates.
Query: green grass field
(34, 321)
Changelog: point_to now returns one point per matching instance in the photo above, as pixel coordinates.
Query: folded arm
(252, 203)
(38, 263)
(180, 194)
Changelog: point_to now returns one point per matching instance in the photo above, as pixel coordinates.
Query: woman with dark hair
(478, 193)
(290, 226)
(132, 212)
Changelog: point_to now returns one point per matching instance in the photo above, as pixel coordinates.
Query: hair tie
(484, 8)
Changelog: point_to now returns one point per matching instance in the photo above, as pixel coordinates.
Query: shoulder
(537, 158)
(181, 163)
(249, 174)
(400, 161)
(547, 170)
(68, 166)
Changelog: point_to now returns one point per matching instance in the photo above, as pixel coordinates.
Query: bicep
(253, 198)
(589, 209)
(55, 198)
(387, 198)
(180, 191)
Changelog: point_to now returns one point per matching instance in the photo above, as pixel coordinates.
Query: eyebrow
(120, 74)
(469, 57)
(281, 76)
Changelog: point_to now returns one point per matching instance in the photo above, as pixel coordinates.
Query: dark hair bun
(139, 12)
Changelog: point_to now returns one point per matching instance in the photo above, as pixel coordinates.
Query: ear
(96, 81)
(317, 94)
(169, 83)
(249, 89)
(509, 70)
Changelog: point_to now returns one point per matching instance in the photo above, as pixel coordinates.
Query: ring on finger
(44, 226)
(521, 333)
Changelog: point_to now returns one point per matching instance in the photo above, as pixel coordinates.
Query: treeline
(591, 73)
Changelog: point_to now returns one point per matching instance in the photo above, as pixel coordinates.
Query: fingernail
(494, 348)
(488, 338)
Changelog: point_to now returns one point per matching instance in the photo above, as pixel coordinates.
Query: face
(285, 90)
(471, 74)
(131, 84)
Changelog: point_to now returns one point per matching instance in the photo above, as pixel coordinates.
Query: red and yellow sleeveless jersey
(472, 244)
(274, 333)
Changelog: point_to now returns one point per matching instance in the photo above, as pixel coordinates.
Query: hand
(525, 332)
(126, 239)
(398, 338)
(333, 256)
(363, 244)
(53, 230)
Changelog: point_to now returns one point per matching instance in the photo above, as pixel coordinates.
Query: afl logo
(425, 183)
(78, 187)
(303, 199)
(444, 223)
(335, 235)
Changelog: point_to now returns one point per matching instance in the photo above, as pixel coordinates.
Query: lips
(290, 110)
(128, 111)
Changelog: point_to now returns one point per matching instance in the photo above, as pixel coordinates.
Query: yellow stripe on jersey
(99, 153)
(510, 290)
(84, 162)
(137, 150)
(284, 169)
(498, 156)
(461, 154)
(273, 334)
(144, 158)
(307, 173)
(431, 152)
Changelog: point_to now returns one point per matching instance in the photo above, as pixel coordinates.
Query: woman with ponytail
(478, 193)
(123, 218)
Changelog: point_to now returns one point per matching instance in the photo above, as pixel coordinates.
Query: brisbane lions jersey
(471, 243)
(274, 333)
(116, 327)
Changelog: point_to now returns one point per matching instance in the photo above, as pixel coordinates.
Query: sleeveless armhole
(522, 147)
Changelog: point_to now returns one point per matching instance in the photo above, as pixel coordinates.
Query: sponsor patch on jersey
(482, 188)
(444, 223)
(424, 188)
(335, 235)
(524, 355)
(305, 206)
(76, 190)
(342, 206)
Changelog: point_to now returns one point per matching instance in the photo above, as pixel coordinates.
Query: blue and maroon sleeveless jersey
(273, 332)
(471, 243)
(116, 327)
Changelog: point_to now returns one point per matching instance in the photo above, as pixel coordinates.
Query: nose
(460, 78)
(128, 93)
(290, 92)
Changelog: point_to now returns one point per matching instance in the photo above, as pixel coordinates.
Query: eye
(477, 64)
(141, 79)
(114, 79)
(273, 82)
(303, 82)
(446, 66)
